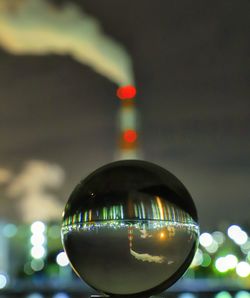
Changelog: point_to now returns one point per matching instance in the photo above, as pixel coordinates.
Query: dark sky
(192, 68)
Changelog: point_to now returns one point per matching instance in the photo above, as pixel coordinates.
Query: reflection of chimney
(130, 236)
(171, 232)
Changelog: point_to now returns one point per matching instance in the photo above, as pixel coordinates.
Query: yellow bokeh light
(162, 235)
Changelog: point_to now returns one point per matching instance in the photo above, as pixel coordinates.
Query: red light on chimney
(130, 136)
(126, 92)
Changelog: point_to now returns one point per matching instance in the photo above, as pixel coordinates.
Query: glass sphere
(130, 229)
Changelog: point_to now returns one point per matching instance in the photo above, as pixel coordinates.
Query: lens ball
(130, 229)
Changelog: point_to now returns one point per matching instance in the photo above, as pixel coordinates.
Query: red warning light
(130, 136)
(126, 92)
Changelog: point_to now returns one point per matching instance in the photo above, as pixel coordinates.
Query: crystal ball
(130, 229)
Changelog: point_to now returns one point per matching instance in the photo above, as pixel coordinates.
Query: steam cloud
(147, 257)
(38, 27)
(5, 175)
(32, 188)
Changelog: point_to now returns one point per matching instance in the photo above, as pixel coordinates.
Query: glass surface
(130, 228)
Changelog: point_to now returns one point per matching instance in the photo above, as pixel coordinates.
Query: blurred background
(61, 117)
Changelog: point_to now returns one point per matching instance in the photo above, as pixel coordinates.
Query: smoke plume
(147, 257)
(38, 27)
(34, 188)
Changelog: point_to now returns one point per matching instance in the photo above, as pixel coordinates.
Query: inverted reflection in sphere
(130, 228)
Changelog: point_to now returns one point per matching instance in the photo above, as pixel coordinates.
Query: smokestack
(38, 27)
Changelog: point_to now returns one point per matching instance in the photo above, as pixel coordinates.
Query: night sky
(192, 69)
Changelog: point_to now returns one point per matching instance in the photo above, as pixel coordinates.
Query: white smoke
(5, 175)
(38, 27)
(147, 257)
(31, 188)
(144, 233)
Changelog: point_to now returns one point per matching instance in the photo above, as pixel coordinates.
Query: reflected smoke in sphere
(130, 228)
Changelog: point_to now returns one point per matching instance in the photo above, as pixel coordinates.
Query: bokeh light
(60, 295)
(245, 248)
(206, 239)
(187, 295)
(62, 259)
(223, 294)
(237, 234)
(243, 269)
(206, 260)
(37, 252)
(221, 264)
(37, 239)
(231, 261)
(242, 294)
(233, 230)
(3, 280)
(38, 227)
(213, 247)
(241, 238)
(27, 269)
(219, 237)
(37, 265)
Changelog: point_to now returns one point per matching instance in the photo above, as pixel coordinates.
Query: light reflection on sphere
(130, 229)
